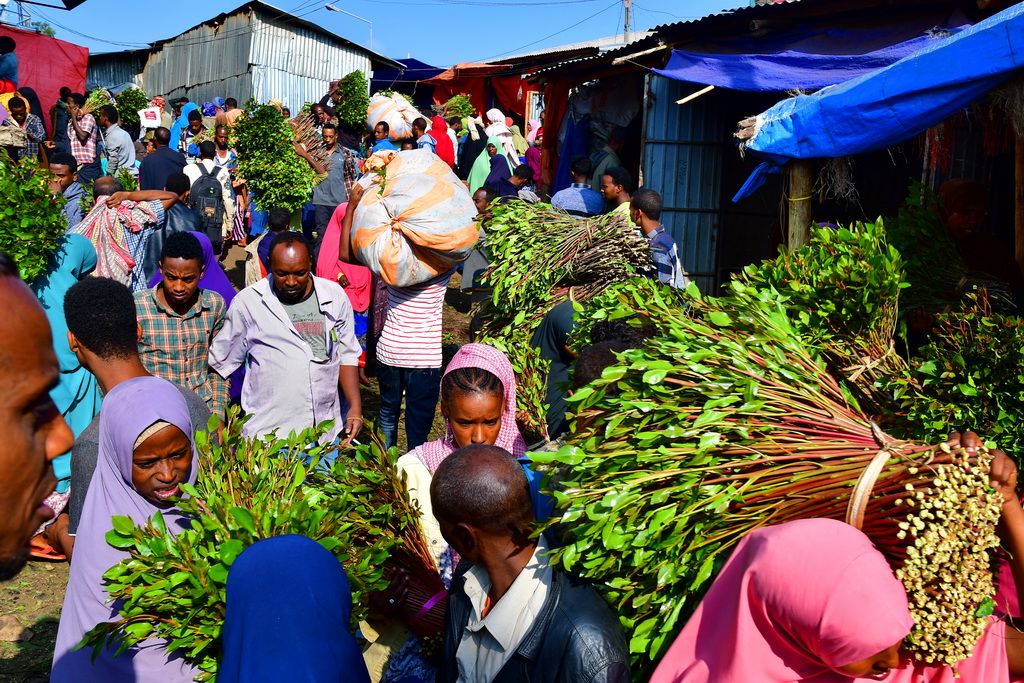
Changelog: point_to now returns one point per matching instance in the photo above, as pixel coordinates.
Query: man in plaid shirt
(179, 320)
(30, 123)
(83, 132)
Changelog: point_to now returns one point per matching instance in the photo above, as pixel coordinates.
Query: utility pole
(626, 33)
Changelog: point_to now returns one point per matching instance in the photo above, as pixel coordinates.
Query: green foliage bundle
(31, 221)
(267, 159)
(970, 376)
(460, 105)
(640, 300)
(173, 586)
(842, 294)
(129, 103)
(939, 280)
(128, 180)
(96, 99)
(747, 411)
(354, 100)
(540, 257)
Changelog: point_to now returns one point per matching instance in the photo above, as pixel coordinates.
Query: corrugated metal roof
(599, 43)
(288, 18)
(663, 33)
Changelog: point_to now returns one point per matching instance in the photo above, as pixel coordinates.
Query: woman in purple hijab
(214, 278)
(146, 450)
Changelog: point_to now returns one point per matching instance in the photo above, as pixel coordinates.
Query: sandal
(46, 552)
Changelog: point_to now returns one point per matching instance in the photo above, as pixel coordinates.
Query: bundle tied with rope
(729, 422)
(419, 222)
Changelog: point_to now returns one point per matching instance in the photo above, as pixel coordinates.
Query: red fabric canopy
(466, 78)
(46, 64)
(512, 93)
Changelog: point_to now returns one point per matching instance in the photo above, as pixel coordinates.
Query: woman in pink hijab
(815, 601)
(478, 401)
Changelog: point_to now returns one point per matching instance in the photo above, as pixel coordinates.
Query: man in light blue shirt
(578, 199)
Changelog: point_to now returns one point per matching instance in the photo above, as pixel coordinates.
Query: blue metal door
(682, 161)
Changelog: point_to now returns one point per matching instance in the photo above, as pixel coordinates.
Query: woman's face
(491, 150)
(877, 667)
(160, 464)
(966, 221)
(475, 418)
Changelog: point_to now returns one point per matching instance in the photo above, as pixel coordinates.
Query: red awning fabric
(466, 78)
(512, 93)
(46, 64)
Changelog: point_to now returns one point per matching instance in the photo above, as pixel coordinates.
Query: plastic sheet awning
(890, 105)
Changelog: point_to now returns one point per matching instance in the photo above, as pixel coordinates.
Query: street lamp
(332, 8)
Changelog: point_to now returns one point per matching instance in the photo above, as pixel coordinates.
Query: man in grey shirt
(333, 190)
(103, 332)
(119, 145)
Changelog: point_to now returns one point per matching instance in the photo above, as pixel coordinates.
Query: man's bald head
(106, 186)
(483, 486)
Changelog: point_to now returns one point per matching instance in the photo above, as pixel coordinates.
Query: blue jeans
(421, 387)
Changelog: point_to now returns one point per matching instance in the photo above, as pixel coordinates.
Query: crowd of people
(135, 337)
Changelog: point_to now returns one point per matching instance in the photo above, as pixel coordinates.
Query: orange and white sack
(423, 222)
(394, 110)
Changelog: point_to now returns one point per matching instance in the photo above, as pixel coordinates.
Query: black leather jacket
(576, 638)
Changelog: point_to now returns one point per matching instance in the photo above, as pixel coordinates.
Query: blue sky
(439, 32)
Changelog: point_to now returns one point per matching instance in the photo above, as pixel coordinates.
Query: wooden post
(798, 203)
(1018, 206)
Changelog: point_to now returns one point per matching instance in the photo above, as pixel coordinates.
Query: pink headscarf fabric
(531, 135)
(328, 265)
(488, 358)
(797, 600)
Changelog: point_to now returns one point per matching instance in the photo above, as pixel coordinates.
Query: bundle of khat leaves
(267, 159)
(729, 422)
(173, 586)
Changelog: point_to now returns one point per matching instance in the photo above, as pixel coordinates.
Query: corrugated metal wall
(296, 65)
(114, 70)
(204, 63)
(683, 163)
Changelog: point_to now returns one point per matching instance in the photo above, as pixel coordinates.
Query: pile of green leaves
(969, 377)
(539, 258)
(940, 281)
(96, 99)
(173, 586)
(31, 221)
(641, 301)
(129, 103)
(267, 159)
(842, 295)
(460, 105)
(355, 100)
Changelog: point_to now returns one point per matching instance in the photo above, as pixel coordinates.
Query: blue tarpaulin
(811, 56)
(783, 70)
(888, 106)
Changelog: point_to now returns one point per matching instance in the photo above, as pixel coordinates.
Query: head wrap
(482, 165)
(488, 358)
(442, 143)
(958, 194)
(534, 127)
(284, 625)
(128, 410)
(218, 102)
(792, 603)
(208, 109)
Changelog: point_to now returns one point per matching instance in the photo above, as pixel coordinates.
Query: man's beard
(222, 145)
(10, 566)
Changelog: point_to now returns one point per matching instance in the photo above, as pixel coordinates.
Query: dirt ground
(35, 596)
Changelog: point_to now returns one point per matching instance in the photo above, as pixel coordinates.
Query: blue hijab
(77, 396)
(181, 123)
(289, 625)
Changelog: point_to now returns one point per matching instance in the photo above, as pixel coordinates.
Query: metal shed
(256, 50)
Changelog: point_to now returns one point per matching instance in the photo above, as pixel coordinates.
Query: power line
(515, 50)
(479, 3)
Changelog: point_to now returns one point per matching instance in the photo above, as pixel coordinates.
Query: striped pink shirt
(411, 337)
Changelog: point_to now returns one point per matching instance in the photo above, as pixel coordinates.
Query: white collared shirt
(488, 642)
